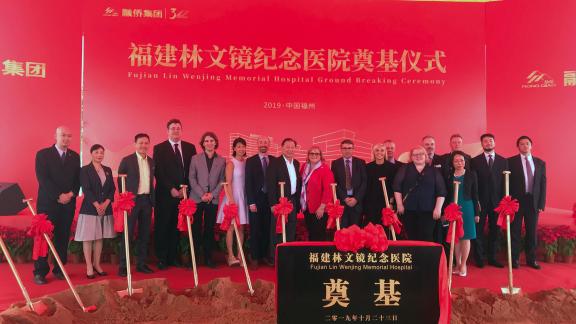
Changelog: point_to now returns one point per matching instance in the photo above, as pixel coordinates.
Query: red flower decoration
(453, 213)
(123, 202)
(335, 211)
(283, 207)
(350, 239)
(230, 213)
(507, 206)
(40, 225)
(389, 218)
(186, 208)
(376, 239)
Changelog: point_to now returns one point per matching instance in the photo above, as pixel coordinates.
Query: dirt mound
(219, 301)
(471, 306)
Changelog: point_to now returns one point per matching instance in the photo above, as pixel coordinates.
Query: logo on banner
(570, 78)
(537, 79)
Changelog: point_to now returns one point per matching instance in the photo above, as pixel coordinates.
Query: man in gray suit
(206, 175)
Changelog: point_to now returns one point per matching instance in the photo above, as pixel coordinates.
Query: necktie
(490, 161)
(264, 167)
(348, 175)
(63, 157)
(179, 158)
(529, 176)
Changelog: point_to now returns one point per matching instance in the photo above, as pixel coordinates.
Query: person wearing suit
(419, 190)
(316, 193)
(374, 199)
(433, 159)
(456, 145)
(350, 175)
(489, 167)
(528, 185)
(172, 162)
(284, 169)
(58, 173)
(206, 176)
(468, 202)
(390, 147)
(139, 170)
(95, 221)
(259, 207)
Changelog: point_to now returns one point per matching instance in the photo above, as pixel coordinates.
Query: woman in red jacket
(316, 193)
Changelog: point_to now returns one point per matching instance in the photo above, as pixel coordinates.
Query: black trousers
(141, 214)
(260, 228)
(490, 241)
(529, 214)
(203, 228)
(275, 239)
(165, 230)
(61, 217)
(351, 215)
(419, 225)
(316, 227)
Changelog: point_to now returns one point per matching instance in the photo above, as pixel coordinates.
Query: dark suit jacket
(438, 159)
(490, 181)
(167, 173)
(518, 183)
(56, 177)
(130, 167)
(94, 190)
(359, 181)
(255, 177)
(470, 189)
(447, 167)
(278, 172)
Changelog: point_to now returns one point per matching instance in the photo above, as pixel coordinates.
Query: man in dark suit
(139, 168)
(257, 199)
(206, 177)
(350, 175)
(58, 174)
(528, 185)
(456, 144)
(172, 163)
(284, 169)
(489, 167)
(433, 159)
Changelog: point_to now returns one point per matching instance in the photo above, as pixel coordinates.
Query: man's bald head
(63, 137)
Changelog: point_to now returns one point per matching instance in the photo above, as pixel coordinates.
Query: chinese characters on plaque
(23, 69)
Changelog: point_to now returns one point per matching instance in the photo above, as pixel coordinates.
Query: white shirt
(292, 174)
(487, 156)
(531, 164)
(59, 150)
(179, 148)
(144, 169)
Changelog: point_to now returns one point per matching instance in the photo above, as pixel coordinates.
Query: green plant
(75, 247)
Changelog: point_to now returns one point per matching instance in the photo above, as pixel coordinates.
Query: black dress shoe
(480, 263)
(39, 280)
(144, 269)
(161, 265)
(534, 265)
(59, 275)
(210, 264)
(495, 263)
(103, 273)
(515, 265)
(122, 272)
(92, 276)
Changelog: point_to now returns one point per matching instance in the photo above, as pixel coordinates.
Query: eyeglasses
(418, 154)
(314, 154)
